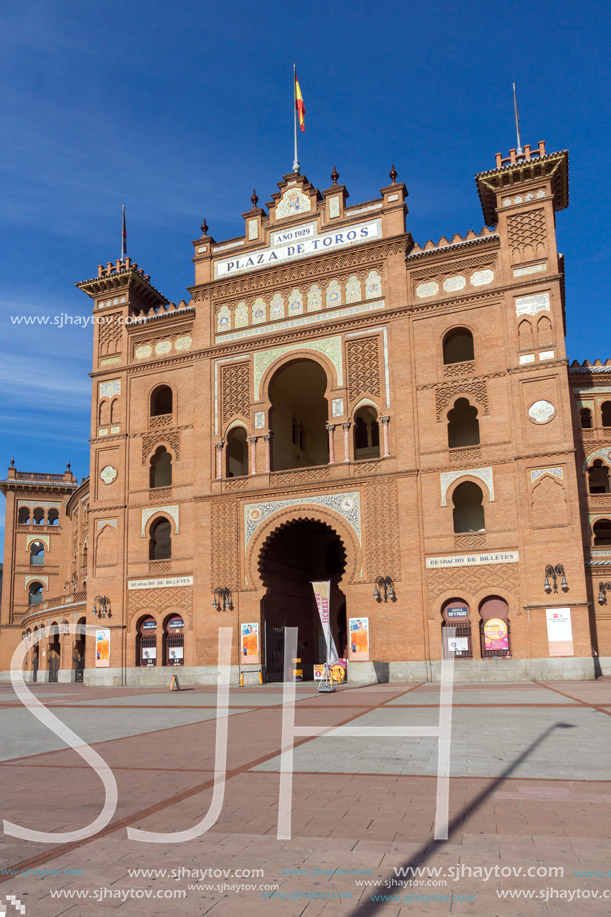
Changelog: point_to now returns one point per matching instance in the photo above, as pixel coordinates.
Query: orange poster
(102, 648)
(359, 639)
(249, 644)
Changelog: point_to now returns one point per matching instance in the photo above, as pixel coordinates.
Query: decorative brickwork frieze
(235, 388)
(320, 473)
(155, 600)
(465, 457)
(160, 422)
(469, 541)
(527, 230)
(150, 441)
(160, 495)
(225, 561)
(476, 389)
(109, 334)
(381, 528)
(363, 357)
(469, 581)
(452, 370)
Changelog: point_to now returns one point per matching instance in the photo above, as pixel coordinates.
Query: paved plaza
(529, 803)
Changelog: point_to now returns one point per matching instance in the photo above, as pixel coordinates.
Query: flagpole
(123, 237)
(296, 160)
(519, 149)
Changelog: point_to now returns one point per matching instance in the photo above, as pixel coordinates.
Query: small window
(463, 425)
(161, 468)
(53, 517)
(160, 543)
(37, 554)
(598, 478)
(602, 532)
(24, 515)
(39, 516)
(606, 413)
(458, 346)
(585, 418)
(366, 434)
(161, 400)
(468, 508)
(35, 593)
(237, 453)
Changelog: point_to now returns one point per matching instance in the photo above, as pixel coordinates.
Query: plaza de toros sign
(298, 242)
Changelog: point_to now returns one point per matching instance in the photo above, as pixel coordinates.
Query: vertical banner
(102, 648)
(249, 644)
(559, 631)
(322, 594)
(359, 639)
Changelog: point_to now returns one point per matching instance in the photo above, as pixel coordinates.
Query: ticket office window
(456, 614)
(146, 650)
(174, 641)
(495, 628)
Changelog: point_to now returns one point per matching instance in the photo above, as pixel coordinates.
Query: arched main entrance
(292, 557)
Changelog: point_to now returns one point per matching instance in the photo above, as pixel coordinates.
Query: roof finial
(12, 463)
(254, 198)
(204, 227)
(68, 466)
(393, 173)
(334, 175)
(519, 150)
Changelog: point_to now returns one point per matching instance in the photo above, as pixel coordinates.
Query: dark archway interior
(299, 414)
(291, 558)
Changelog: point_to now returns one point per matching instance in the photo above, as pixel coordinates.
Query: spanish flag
(299, 104)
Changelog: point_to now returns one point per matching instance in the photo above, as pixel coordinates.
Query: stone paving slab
(505, 697)
(186, 698)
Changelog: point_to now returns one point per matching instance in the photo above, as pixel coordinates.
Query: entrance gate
(53, 667)
(274, 653)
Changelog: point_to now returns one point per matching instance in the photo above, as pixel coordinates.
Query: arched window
(494, 628)
(161, 468)
(161, 400)
(53, 517)
(606, 413)
(544, 332)
(468, 508)
(299, 414)
(39, 516)
(35, 593)
(24, 515)
(160, 543)
(366, 433)
(114, 410)
(146, 642)
(458, 346)
(602, 532)
(37, 554)
(237, 453)
(174, 641)
(455, 614)
(463, 425)
(598, 478)
(525, 335)
(585, 418)
(104, 412)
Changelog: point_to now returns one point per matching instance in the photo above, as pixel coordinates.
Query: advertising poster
(496, 635)
(559, 631)
(249, 635)
(102, 648)
(149, 655)
(359, 639)
(458, 645)
(176, 655)
(319, 671)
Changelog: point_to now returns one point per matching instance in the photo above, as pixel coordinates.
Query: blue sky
(180, 109)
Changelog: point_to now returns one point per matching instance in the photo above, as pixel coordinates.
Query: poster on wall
(176, 655)
(559, 631)
(102, 648)
(249, 637)
(359, 639)
(149, 655)
(496, 636)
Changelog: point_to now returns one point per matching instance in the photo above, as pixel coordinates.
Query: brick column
(267, 439)
(346, 428)
(330, 428)
(219, 459)
(385, 421)
(253, 453)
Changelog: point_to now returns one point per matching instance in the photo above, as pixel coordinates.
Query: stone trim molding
(447, 478)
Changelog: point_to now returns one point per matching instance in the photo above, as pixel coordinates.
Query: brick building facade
(335, 402)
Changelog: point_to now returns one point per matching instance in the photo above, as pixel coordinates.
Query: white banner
(322, 594)
(309, 245)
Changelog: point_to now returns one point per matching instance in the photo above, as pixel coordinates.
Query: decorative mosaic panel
(103, 522)
(363, 358)
(295, 302)
(347, 505)
(537, 472)
(259, 311)
(373, 285)
(241, 315)
(276, 307)
(293, 201)
(530, 305)
(353, 289)
(314, 298)
(330, 347)
(448, 477)
(334, 294)
(223, 319)
(108, 389)
(235, 389)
